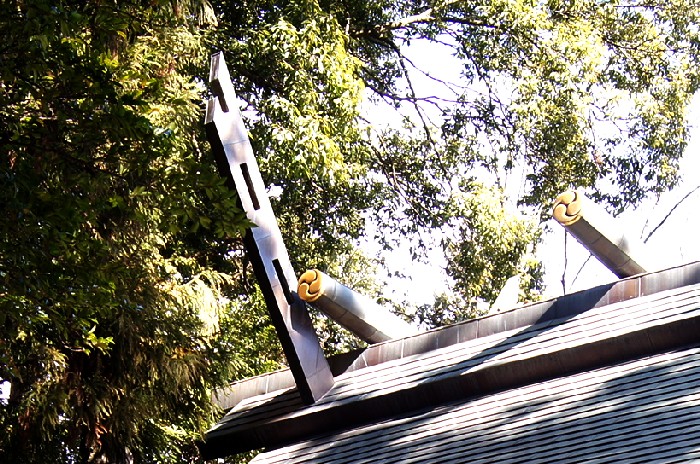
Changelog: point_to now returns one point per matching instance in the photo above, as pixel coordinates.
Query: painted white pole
(600, 234)
(354, 311)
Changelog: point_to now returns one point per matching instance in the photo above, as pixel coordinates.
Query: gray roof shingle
(573, 377)
(646, 410)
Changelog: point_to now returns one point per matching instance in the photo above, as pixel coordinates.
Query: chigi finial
(264, 245)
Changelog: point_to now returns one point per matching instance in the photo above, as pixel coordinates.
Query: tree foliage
(576, 93)
(570, 94)
(108, 298)
(124, 294)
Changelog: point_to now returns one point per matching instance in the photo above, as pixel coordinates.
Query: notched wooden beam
(264, 244)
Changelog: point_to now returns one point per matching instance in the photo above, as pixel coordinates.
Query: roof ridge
(554, 308)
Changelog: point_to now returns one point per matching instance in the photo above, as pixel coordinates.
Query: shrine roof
(434, 390)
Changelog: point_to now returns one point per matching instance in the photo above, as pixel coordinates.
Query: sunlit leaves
(110, 308)
(572, 77)
(492, 244)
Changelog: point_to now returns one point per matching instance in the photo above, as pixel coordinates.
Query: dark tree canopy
(113, 240)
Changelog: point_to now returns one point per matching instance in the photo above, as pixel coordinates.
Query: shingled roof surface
(606, 375)
(642, 411)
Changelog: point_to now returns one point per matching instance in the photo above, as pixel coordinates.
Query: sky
(672, 244)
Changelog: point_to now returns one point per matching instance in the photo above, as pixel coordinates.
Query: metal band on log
(264, 245)
(596, 231)
(354, 311)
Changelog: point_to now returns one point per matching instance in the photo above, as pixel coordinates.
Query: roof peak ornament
(354, 311)
(596, 231)
(264, 244)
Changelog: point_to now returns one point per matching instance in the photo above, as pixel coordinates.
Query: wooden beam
(264, 245)
(600, 234)
(354, 311)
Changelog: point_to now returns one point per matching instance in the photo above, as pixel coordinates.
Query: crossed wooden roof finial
(264, 245)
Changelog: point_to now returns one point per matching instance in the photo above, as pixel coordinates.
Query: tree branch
(428, 16)
(580, 269)
(663, 221)
(424, 17)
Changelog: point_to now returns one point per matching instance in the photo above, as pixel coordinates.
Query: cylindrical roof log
(354, 311)
(597, 231)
